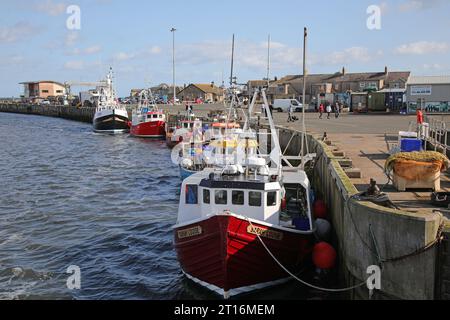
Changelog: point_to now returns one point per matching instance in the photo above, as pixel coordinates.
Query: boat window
(191, 194)
(206, 196)
(254, 199)
(238, 197)
(221, 197)
(271, 199)
(155, 116)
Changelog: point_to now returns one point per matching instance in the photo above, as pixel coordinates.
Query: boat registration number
(266, 233)
(191, 232)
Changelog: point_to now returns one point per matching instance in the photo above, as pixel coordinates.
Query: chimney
(386, 70)
(212, 84)
(343, 71)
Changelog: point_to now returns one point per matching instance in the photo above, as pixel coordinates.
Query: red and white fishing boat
(238, 223)
(147, 120)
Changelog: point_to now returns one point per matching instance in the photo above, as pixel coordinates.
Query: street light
(173, 65)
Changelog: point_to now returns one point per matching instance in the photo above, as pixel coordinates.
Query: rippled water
(69, 196)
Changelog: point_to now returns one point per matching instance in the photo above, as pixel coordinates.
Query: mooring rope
(297, 278)
(427, 247)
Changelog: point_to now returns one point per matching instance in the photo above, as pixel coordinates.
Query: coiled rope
(297, 278)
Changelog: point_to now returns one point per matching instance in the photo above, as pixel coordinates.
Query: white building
(431, 93)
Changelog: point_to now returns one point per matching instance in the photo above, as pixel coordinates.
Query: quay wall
(365, 231)
(65, 112)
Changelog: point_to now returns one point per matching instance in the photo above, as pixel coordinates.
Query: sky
(134, 38)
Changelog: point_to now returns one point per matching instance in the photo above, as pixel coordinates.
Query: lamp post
(173, 65)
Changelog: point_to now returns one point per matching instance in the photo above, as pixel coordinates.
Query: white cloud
(11, 60)
(74, 65)
(423, 47)
(416, 5)
(346, 56)
(71, 38)
(123, 56)
(139, 54)
(19, 31)
(433, 67)
(155, 50)
(92, 50)
(51, 8)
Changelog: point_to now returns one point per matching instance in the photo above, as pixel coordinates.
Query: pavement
(366, 140)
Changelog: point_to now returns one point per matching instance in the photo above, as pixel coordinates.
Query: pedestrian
(321, 110)
(329, 111)
(419, 114)
(337, 110)
(290, 111)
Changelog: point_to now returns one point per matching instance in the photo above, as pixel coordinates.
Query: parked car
(45, 102)
(283, 105)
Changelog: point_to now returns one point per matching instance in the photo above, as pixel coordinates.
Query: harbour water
(104, 203)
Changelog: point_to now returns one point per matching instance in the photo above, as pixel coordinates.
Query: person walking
(321, 110)
(290, 111)
(329, 111)
(337, 111)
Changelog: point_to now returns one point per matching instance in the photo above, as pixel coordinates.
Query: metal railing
(435, 133)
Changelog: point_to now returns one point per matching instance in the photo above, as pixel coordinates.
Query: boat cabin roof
(240, 182)
(225, 125)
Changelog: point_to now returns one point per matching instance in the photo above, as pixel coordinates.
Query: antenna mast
(232, 63)
(268, 62)
(305, 38)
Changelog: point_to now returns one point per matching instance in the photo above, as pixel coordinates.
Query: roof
(394, 90)
(429, 80)
(348, 77)
(206, 88)
(43, 81)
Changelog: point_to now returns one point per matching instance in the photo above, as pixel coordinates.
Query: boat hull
(151, 129)
(224, 254)
(111, 121)
(170, 142)
(185, 173)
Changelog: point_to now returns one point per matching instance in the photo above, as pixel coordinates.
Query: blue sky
(134, 38)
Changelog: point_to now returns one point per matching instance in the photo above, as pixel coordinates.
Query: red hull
(227, 255)
(152, 129)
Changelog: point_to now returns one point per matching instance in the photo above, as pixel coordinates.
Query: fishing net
(424, 157)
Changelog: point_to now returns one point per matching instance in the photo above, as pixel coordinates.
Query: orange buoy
(324, 256)
(283, 204)
(320, 209)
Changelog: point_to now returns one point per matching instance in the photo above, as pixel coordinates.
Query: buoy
(283, 204)
(324, 256)
(323, 229)
(320, 209)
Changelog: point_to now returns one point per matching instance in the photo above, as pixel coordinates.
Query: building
(162, 91)
(394, 99)
(319, 87)
(205, 92)
(431, 93)
(39, 90)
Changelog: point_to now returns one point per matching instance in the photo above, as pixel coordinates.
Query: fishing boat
(110, 117)
(147, 120)
(238, 223)
(181, 132)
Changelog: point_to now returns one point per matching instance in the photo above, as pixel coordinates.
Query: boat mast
(305, 37)
(268, 62)
(232, 63)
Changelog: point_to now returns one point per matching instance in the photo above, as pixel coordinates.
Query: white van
(282, 105)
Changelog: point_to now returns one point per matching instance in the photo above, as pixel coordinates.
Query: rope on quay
(297, 278)
(437, 240)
